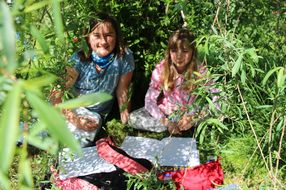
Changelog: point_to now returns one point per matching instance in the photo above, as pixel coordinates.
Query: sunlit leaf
(253, 55)
(40, 39)
(237, 65)
(38, 138)
(39, 82)
(55, 122)
(8, 37)
(280, 78)
(56, 9)
(211, 104)
(9, 126)
(36, 6)
(4, 181)
(269, 74)
(85, 100)
(25, 172)
(243, 77)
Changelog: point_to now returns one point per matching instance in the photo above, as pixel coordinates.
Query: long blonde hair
(179, 39)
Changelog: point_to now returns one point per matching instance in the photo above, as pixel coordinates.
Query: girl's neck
(181, 70)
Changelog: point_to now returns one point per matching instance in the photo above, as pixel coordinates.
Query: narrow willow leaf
(56, 9)
(25, 171)
(55, 122)
(253, 55)
(39, 139)
(8, 37)
(237, 65)
(36, 6)
(40, 39)
(202, 136)
(269, 74)
(206, 47)
(211, 104)
(84, 46)
(9, 126)
(40, 81)
(85, 100)
(4, 181)
(216, 122)
(252, 71)
(243, 77)
(280, 78)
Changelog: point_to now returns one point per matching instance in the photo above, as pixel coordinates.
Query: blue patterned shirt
(90, 81)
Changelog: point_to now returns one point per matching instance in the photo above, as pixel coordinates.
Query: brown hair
(93, 23)
(179, 39)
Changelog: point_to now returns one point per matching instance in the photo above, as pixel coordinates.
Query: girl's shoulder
(157, 71)
(160, 65)
(202, 68)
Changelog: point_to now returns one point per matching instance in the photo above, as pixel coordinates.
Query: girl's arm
(154, 91)
(122, 96)
(70, 79)
(151, 102)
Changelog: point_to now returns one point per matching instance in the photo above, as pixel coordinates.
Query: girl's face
(181, 56)
(102, 39)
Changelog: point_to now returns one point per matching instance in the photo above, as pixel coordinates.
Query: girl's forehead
(180, 43)
(104, 26)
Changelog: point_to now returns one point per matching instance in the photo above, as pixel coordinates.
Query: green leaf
(55, 122)
(36, 6)
(9, 125)
(25, 172)
(40, 38)
(211, 104)
(280, 78)
(269, 74)
(56, 9)
(39, 82)
(8, 37)
(36, 138)
(85, 100)
(243, 76)
(237, 65)
(252, 53)
(217, 123)
(4, 181)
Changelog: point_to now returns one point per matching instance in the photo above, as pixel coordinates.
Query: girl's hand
(70, 77)
(55, 96)
(124, 116)
(81, 122)
(172, 126)
(185, 123)
(86, 123)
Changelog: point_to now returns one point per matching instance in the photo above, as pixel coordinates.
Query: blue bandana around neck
(102, 62)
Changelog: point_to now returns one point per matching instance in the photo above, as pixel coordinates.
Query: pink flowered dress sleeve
(154, 91)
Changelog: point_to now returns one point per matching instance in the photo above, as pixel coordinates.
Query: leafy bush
(242, 42)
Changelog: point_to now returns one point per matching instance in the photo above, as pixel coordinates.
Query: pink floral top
(171, 100)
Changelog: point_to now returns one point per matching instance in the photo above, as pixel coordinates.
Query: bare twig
(216, 19)
(184, 19)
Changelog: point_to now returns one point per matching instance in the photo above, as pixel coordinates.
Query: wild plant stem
(280, 146)
(252, 128)
(269, 141)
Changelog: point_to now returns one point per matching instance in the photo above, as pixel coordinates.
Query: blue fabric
(102, 62)
(90, 81)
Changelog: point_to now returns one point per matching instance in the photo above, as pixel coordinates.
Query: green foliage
(147, 181)
(242, 42)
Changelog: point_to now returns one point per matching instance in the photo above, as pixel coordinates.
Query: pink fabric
(171, 99)
(109, 154)
(72, 183)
